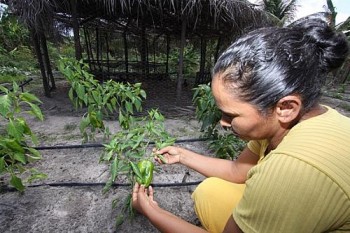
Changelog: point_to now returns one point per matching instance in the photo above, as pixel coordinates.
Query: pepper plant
(128, 152)
(129, 147)
(224, 144)
(101, 99)
(16, 136)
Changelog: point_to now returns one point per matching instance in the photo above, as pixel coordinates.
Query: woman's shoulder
(331, 118)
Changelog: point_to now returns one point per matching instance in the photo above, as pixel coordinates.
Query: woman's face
(242, 117)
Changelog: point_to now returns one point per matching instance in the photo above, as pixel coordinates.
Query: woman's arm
(232, 227)
(234, 171)
(164, 221)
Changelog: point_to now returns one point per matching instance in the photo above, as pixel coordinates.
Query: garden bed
(71, 198)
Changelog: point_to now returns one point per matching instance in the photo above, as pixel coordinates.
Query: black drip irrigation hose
(21, 85)
(98, 145)
(77, 184)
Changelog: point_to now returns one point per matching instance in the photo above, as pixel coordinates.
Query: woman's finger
(135, 191)
(150, 192)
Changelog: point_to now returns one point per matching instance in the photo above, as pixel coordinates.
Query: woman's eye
(226, 117)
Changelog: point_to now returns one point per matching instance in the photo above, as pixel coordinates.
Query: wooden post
(144, 59)
(167, 54)
(75, 24)
(36, 42)
(218, 45)
(180, 76)
(47, 62)
(126, 54)
(202, 59)
(88, 47)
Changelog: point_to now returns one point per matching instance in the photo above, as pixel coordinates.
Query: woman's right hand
(171, 154)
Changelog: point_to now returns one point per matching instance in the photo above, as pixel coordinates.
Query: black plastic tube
(98, 145)
(78, 184)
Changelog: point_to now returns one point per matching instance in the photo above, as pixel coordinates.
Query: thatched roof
(203, 17)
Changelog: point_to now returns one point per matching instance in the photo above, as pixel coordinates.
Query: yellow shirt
(302, 186)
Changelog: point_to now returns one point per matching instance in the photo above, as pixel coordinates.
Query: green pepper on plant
(143, 172)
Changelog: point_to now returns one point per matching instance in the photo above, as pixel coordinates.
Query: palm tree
(284, 10)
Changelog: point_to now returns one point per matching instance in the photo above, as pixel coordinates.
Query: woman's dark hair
(267, 64)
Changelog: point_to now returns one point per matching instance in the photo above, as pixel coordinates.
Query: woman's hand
(142, 199)
(171, 154)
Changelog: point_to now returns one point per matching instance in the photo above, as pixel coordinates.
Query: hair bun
(332, 46)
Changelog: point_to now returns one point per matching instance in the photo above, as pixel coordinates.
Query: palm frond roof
(203, 17)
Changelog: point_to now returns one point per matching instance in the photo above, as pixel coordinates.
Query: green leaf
(5, 105)
(35, 110)
(17, 183)
(107, 186)
(36, 175)
(23, 124)
(15, 130)
(85, 121)
(128, 107)
(96, 97)
(4, 89)
(143, 94)
(29, 97)
(114, 168)
(2, 165)
(80, 91)
(15, 87)
(70, 94)
(34, 154)
(136, 170)
(137, 103)
(13, 145)
(20, 157)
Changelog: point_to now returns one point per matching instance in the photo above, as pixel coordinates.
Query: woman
(294, 174)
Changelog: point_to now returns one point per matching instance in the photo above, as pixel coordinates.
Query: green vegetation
(101, 99)
(224, 144)
(16, 142)
(16, 59)
(129, 145)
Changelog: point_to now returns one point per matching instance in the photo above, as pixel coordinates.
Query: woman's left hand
(142, 199)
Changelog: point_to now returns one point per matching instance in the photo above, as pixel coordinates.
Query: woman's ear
(288, 108)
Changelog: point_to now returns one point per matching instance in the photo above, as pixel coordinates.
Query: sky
(307, 7)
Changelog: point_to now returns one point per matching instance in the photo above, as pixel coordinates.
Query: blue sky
(307, 7)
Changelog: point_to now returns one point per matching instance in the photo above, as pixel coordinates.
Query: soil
(71, 198)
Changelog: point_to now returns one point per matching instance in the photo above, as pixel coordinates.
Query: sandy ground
(71, 198)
